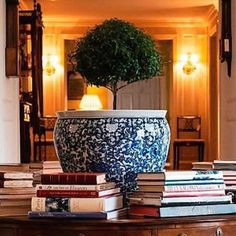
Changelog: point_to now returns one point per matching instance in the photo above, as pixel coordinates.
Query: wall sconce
(90, 102)
(189, 63)
(49, 66)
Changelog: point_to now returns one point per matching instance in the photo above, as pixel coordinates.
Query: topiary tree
(116, 51)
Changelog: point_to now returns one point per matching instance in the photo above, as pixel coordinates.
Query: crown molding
(212, 15)
(67, 22)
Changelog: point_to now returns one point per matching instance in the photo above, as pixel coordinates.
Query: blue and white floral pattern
(121, 147)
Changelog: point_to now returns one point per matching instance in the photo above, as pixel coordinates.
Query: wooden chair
(46, 125)
(188, 135)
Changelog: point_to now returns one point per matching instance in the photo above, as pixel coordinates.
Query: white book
(215, 209)
(224, 162)
(16, 175)
(181, 188)
(181, 175)
(17, 183)
(197, 200)
(53, 170)
(77, 204)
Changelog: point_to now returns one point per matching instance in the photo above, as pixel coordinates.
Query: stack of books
(77, 195)
(180, 193)
(45, 167)
(228, 169)
(16, 191)
(51, 167)
(14, 167)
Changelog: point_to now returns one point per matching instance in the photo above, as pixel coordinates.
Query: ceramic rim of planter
(111, 113)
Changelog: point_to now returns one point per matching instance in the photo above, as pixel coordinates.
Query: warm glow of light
(189, 62)
(49, 64)
(90, 102)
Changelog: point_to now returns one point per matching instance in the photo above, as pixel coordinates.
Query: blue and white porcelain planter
(121, 143)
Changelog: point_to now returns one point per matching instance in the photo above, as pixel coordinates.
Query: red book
(76, 193)
(73, 178)
(139, 210)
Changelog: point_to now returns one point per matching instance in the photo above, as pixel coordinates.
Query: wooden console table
(223, 225)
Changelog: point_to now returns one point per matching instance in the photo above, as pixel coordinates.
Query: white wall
(9, 103)
(228, 101)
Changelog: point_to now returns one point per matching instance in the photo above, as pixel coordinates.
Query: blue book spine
(177, 211)
(74, 215)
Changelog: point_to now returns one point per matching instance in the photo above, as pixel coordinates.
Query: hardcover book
(177, 211)
(14, 167)
(156, 188)
(173, 201)
(80, 215)
(203, 165)
(15, 202)
(180, 188)
(73, 178)
(218, 192)
(139, 210)
(182, 175)
(51, 165)
(76, 193)
(16, 183)
(88, 187)
(196, 200)
(224, 165)
(108, 203)
(16, 175)
(17, 191)
(145, 201)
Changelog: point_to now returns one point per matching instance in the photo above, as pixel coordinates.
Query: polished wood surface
(222, 225)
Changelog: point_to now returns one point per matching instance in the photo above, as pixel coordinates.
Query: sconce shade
(49, 68)
(90, 102)
(189, 64)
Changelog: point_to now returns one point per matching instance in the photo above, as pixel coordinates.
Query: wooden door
(144, 94)
(153, 93)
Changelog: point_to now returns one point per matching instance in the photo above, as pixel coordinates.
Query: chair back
(48, 122)
(189, 126)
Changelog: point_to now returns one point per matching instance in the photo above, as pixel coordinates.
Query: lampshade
(90, 102)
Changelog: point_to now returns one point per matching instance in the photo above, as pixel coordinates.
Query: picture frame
(76, 86)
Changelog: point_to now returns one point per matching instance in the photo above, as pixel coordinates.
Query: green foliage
(116, 51)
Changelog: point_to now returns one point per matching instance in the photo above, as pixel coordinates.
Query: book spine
(76, 204)
(18, 183)
(193, 187)
(178, 211)
(75, 187)
(220, 192)
(66, 193)
(195, 182)
(194, 175)
(68, 179)
(76, 215)
(18, 176)
(137, 210)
